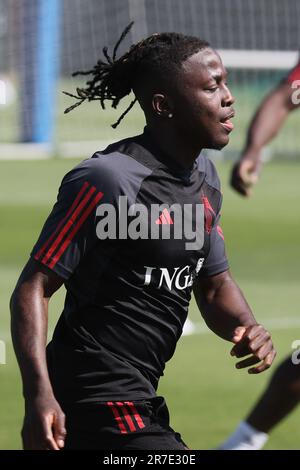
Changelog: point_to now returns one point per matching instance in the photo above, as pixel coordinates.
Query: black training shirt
(127, 299)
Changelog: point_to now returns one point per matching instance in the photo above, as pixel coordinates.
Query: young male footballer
(128, 288)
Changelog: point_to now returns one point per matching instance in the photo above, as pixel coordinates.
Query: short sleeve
(70, 230)
(216, 261)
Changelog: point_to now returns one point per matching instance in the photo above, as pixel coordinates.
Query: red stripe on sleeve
(42, 250)
(117, 417)
(68, 224)
(72, 234)
(136, 415)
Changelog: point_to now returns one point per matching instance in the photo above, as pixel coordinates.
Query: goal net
(40, 47)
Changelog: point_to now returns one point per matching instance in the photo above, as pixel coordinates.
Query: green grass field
(207, 396)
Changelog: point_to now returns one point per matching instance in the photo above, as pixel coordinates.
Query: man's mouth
(226, 122)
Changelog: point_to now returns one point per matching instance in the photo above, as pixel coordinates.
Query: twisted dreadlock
(116, 78)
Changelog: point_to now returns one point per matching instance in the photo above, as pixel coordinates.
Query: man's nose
(228, 98)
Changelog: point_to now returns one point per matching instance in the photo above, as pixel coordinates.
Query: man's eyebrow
(218, 76)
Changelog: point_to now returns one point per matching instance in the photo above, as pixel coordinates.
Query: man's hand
(44, 425)
(255, 341)
(245, 175)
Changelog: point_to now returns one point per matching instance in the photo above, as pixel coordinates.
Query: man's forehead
(207, 62)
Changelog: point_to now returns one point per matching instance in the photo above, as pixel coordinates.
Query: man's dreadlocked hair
(116, 78)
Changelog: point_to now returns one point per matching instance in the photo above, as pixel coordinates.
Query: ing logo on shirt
(178, 278)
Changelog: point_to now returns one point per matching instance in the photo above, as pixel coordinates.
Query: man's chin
(219, 144)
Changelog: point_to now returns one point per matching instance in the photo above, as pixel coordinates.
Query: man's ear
(162, 105)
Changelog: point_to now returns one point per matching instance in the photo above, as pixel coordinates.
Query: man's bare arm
(44, 420)
(227, 314)
(267, 121)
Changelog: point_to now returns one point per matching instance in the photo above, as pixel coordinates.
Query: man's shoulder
(115, 158)
(121, 158)
(113, 167)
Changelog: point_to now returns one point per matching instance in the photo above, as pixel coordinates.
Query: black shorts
(126, 425)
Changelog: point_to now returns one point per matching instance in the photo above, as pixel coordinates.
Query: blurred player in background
(267, 121)
(127, 299)
(283, 392)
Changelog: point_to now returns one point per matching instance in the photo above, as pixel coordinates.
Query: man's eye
(212, 89)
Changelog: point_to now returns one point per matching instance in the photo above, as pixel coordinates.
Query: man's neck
(173, 146)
